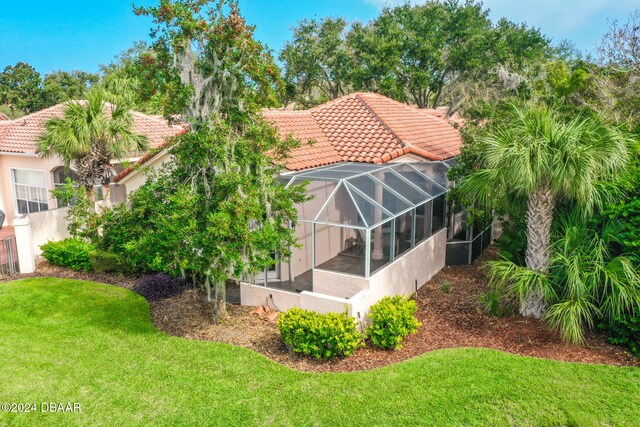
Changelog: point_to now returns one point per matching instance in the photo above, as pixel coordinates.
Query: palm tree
(91, 134)
(538, 156)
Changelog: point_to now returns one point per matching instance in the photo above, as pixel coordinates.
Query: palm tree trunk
(91, 195)
(106, 193)
(539, 218)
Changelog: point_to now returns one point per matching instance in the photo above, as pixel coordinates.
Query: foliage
(71, 253)
(217, 210)
(12, 113)
(142, 76)
(587, 280)
(82, 220)
(446, 287)
(323, 336)
(318, 62)
(159, 286)
(216, 56)
(535, 146)
(626, 209)
(537, 155)
(91, 135)
(617, 85)
(106, 262)
(21, 88)
(392, 319)
(624, 331)
(495, 302)
(60, 86)
(428, 55)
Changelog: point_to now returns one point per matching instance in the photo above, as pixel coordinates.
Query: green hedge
(323, 336)
(392, 319)
(71, 253)
(625, 332)
(106, 262)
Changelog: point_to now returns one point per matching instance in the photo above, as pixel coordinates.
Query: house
(377, 222)
(26, 179)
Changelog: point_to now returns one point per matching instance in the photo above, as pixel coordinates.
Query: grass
(72, 341)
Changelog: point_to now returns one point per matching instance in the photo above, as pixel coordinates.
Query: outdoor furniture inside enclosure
(361, 217)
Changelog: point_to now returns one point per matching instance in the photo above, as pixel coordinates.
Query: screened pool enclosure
(361, 217)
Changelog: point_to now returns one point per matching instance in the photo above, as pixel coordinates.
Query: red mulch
(453, 319)
(449, 319)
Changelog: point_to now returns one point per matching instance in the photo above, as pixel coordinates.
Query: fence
(8, 257)
(465, 251)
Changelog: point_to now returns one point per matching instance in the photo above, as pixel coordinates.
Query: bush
(323, 336)
(393, 318)
(106, 262)
(625, 332)
(71, 253)
(159, 286)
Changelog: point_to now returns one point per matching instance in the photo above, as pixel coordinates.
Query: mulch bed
(449, 319)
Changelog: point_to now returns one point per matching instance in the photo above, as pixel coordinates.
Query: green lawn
(72, 341)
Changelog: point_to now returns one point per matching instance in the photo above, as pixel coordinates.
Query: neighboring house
(376, 225)
(26, 179)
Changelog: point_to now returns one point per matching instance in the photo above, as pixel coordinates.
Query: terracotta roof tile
(21, 135)
(365, 127)
(361, 127)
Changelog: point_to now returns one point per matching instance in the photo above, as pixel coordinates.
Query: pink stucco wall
(22, 161)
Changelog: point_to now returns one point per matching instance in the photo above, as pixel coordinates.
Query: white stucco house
(377, 222)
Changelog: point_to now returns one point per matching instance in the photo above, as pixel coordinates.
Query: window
(30, 188)
(60, 176)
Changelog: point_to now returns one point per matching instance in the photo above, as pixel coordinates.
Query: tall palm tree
(539, 156)
(90, 135)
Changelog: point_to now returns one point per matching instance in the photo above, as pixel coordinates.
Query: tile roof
(360, 127)
(366, 127)
(21, 135)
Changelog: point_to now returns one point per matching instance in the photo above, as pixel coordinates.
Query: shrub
(446, 287)
(106, 262)
(323, 336)
(393, 318)
(71, 253)
(625, 332)
(159, 286)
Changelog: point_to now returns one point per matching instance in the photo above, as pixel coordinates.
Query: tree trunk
(220, 301)
(106, 194)
(91, 195)
(540, 209)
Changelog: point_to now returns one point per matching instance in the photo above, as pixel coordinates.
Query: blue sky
(81, 34)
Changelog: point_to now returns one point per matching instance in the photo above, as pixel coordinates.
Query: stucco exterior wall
(138, 177)
(46, 226)
(335, 292)
(338, 284)
(23, 161)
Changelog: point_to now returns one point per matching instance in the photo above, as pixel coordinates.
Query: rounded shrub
(323, 336)
(71, 253)
(159, 286)
(392, 319)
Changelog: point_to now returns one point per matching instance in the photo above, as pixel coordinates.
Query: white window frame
(15, 193)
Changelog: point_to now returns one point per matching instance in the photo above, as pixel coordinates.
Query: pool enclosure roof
(365, 195)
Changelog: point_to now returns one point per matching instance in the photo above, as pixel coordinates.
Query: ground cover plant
(66, 340)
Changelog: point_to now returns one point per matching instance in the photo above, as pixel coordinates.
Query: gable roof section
(365, 127)
(21, 135)
(360, 127)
